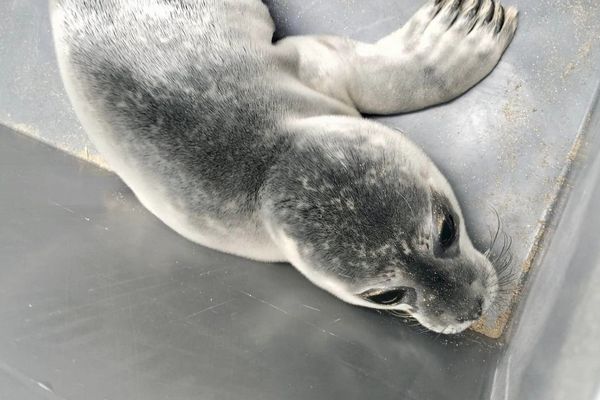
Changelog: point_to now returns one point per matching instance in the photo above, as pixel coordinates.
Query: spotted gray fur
(257, 148)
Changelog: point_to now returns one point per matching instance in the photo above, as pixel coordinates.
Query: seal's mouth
(439, 327)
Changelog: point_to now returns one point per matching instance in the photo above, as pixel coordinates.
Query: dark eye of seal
(447, 231)
(391, 297)
(445, 243)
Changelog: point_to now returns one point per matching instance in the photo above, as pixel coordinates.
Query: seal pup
(257, 148)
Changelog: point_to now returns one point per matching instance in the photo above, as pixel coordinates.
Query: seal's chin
(438, 327)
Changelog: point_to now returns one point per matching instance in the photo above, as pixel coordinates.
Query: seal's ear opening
(392, 296)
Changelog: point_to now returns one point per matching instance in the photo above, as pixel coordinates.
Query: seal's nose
(474, 314)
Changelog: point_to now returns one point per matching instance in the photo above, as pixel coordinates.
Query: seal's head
(435, 274)
(375, 223)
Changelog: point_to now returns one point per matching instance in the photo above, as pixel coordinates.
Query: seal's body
(258, 149)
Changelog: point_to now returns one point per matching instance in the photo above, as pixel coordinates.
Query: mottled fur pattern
(257, 148)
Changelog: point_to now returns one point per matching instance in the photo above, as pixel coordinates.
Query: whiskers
(408, 319)
(500, 255)
(440, 333)
(403, 315)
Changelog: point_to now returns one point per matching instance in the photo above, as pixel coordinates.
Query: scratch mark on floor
(27, 381)
(324, 331)
(83, 217)
(63, 207)
(208, 308)
(265, 302)
(310, 308)
(45, 387)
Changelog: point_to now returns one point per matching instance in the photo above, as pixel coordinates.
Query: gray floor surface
(99, 300)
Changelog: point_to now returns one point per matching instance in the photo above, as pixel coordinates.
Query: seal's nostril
(475, 312)
(478, 310)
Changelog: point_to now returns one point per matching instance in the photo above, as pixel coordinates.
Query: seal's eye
(447, 231)
(391, 297)
(445, 228)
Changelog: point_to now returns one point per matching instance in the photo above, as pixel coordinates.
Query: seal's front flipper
(446, 48)
(450, 45)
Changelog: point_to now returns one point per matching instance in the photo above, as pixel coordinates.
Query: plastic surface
(553, 352)
(99, 300)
